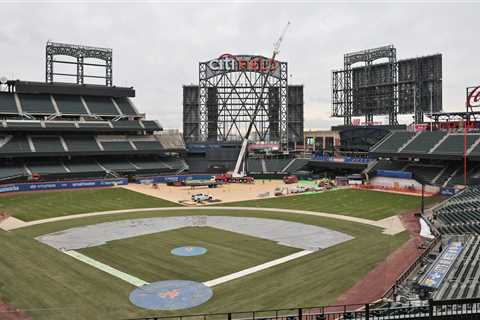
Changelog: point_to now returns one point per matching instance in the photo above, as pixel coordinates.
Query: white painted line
(258, 268)
(105, 268)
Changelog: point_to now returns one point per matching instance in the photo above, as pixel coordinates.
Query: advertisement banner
(435, 275)
(77, 184)
(166, 179)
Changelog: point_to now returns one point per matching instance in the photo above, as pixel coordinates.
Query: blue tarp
(62, 185)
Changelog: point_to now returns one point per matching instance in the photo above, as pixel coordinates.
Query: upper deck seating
(148, 145)
(424, 142)
(70, 104)
(101, 106)
(36, 103)
(393, 142)
(7, 103)
(123, 124)
(59, 125)
(125, 106)
(151, 125)
(93, 125)
(23, 124)
(454, 144)
(116, 146)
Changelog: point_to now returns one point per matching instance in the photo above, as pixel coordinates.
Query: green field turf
(228, 252)
(42, 205)
(52, 285)
(367, 204)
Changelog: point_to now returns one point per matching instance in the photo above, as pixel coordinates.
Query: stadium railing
(430, 309)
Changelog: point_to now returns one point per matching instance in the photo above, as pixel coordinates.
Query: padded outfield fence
(446, 309)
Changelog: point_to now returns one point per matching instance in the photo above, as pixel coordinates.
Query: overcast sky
(157, 46)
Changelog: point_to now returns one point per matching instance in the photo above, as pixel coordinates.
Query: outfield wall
(76, 184)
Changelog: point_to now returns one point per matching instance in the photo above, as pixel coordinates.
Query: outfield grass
(34, 275)
(42, 205)
(228, 252)
(367, 204)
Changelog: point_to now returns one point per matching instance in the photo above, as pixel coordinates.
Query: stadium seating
(393, 142)
(426, 173)
(127, 125)
(125, 106)
(47, 144)
(101, 106)
(81, 143)
(83, 165)
(463, 280)
(460, 214)
(36, 103)
(276, 165)
(46, 167)
(254, 166)
(23, 124)
(296, 165)
(70, 105)
(454, 144)
(15, 144)
(151, 125)
(148, 145)
(116, 146)
(150, 164)
(7, 103)
(59, 125)
(120, 165)
(423, 142)
(9, 170)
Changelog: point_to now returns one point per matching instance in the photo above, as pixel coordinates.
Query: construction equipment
(239, 170)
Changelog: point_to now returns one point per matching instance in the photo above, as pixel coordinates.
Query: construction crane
(239, 170)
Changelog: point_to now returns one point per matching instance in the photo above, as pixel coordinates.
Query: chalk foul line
(139, 282)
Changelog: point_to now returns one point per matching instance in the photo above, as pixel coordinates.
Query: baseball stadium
(241, 213)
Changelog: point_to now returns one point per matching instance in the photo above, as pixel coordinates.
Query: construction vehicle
(239, 170)
(290, 179)
(230, 178)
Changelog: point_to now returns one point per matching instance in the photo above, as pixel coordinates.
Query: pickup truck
(199, 197)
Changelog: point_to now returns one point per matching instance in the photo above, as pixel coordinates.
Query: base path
(383, 276)
(391, 225)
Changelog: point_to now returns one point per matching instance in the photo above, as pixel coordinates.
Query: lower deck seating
(46, 167)
(297, 165)
(11, 170)
(459, 214)
(117, 164)
(463, 280)
(83, 165)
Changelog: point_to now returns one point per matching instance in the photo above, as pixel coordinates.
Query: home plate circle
(171, 295)
(188, 251)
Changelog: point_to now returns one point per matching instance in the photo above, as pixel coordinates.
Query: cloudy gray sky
(157, 46)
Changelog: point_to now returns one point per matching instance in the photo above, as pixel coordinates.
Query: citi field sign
(473, 97)
(238, 63)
